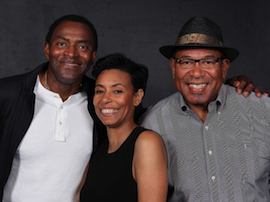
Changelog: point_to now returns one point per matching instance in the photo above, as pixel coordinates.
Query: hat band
(198, 38)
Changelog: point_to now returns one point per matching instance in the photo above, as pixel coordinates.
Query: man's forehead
(60, 37)
(71, 27)
(69, 30)
(190, 52)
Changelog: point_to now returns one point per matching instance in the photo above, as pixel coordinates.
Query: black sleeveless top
(110, 175)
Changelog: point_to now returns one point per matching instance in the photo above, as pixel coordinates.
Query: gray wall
(138, 28)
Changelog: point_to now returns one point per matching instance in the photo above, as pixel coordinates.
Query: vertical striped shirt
(225, 158)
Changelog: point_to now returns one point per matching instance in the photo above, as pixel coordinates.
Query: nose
(71, 51)
(106, 98)
(197, 71)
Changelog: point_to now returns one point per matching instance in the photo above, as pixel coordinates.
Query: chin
(108, 123)
(197, 102)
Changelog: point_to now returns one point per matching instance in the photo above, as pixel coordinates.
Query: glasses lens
(186, 64)
(208, 63)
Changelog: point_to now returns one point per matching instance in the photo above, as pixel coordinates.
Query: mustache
(201, 79)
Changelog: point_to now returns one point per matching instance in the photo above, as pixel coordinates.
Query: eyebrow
(114, 85)
(79, 41)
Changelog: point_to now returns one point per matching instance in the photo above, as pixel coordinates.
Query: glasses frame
(177, 60)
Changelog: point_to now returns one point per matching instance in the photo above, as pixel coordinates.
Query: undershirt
(50, 161)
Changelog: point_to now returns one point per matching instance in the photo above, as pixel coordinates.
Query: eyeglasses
(205, 63)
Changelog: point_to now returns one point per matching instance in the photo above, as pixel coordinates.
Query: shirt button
(206, 128)
(219, 113)
(210, 153)
(213, 178)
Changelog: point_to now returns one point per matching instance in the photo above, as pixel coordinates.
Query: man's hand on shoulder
(244, 86)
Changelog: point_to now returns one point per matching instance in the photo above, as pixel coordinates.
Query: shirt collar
(219, 101)
(54, 98)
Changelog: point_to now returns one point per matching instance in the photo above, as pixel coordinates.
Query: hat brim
(229, 53)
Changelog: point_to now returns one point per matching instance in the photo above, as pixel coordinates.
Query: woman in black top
(132, 164)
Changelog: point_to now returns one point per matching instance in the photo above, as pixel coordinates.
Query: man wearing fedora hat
(218, 142)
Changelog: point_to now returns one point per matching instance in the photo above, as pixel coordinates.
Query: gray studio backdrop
(138, 28)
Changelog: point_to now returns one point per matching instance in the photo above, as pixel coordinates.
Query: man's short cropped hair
(73, 18)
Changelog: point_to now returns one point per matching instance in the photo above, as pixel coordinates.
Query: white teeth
(108, 111)
(197, 86)
(70, 64)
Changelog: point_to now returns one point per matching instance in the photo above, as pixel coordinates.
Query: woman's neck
(118, 135)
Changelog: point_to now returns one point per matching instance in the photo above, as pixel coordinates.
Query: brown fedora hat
(200, 32)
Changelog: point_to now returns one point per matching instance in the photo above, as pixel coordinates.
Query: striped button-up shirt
(225, 158)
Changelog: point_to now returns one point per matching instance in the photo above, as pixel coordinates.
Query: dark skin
(70, 53)
(77, 47)
(200, 86)
(242, 82)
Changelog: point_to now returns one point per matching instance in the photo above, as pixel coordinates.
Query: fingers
(259, 93)
(248, 89)
(245, 86)
(241, 87)
(235, 83)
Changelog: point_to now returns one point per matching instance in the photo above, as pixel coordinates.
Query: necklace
(46, 80)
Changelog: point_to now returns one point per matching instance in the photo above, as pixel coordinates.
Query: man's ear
(224, 67)
(138, 97)
(172, 64)
(47, 50)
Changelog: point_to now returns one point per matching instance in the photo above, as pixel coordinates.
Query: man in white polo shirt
(48, 127)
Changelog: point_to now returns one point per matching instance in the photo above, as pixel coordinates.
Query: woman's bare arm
(150, 168)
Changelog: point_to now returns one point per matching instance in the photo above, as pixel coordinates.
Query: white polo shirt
(51, 159)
